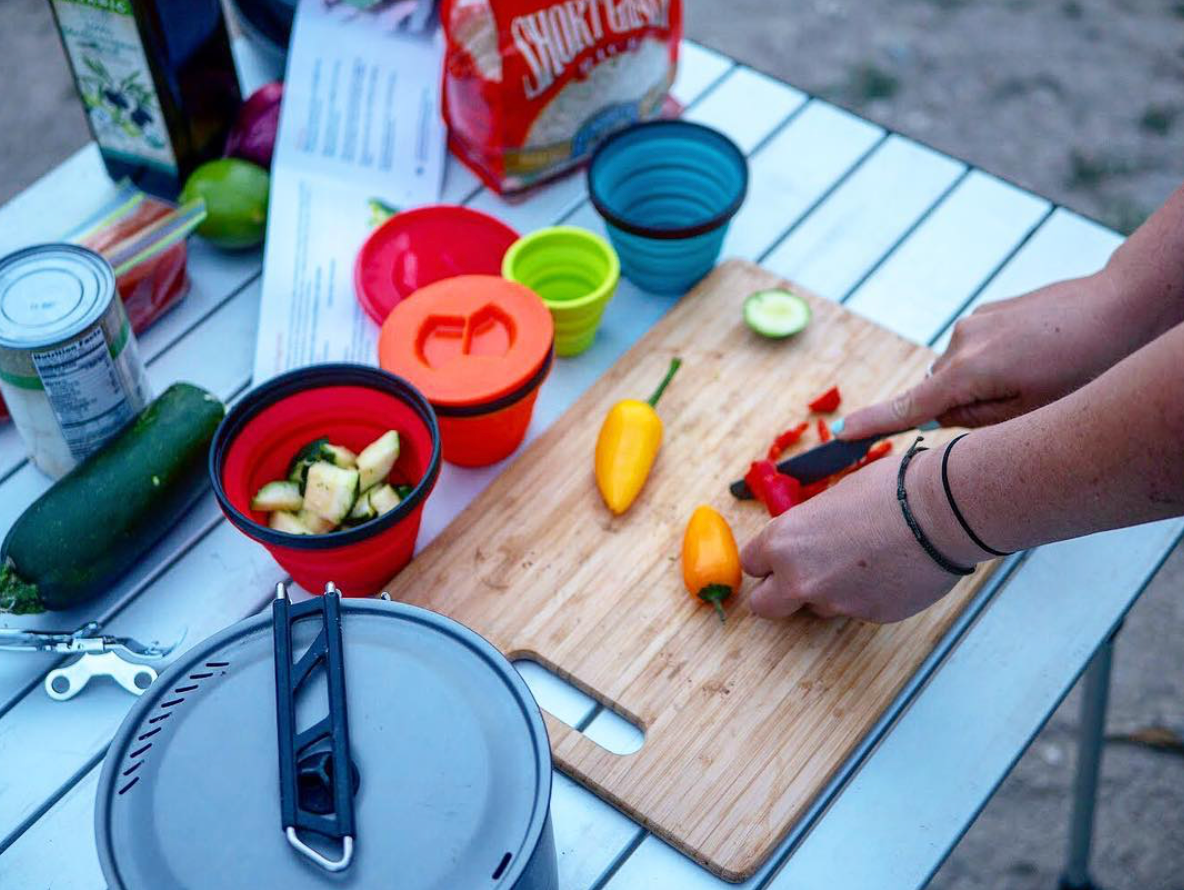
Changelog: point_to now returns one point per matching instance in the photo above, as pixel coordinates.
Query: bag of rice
(531, 86)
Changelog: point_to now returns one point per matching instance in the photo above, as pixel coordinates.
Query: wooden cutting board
(744, 722)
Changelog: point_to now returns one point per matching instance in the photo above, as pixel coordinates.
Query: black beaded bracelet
(945, 482)
(903, 497)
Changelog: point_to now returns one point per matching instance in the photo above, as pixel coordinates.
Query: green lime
(235, 192)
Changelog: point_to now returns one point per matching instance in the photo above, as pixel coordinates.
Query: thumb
(925, 401)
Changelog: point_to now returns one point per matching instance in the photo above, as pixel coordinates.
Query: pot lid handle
(329, 813)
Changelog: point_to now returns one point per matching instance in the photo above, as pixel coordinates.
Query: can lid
(468, 340)
(50, 292)
(452, 759)
(419, 247)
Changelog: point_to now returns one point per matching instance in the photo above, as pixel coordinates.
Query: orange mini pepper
(628, 445)
(710, 558)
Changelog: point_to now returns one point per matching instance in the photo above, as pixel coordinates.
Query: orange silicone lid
(468, 340)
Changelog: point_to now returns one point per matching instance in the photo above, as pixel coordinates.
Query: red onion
(252, 137)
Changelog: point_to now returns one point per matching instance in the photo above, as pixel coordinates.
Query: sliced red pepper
(785, 439)
(880, 449)
(827, 402)
(775, 490)
(815, 488)
(824, 431)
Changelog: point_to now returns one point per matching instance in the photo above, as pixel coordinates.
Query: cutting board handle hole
(585, 713)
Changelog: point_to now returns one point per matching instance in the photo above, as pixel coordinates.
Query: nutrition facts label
(86, 391)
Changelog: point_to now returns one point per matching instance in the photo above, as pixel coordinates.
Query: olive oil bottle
(158, 83)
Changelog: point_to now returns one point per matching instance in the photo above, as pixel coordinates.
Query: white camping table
(901, 233)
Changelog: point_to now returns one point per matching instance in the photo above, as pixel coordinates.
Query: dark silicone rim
(317, 377)
(504, 401)
(686, 231)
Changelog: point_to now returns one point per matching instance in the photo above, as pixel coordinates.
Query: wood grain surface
(744, 722)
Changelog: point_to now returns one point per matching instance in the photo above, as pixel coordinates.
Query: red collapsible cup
(479, 347)
(351, 405)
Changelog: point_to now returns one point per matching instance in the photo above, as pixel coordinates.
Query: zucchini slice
(339, 456)
(278, 496)
(384, 499)
(316, 525)
(330, 491)
(283, 521)
(378, 459)
(363, 510)
(776, 313)
(305, 458)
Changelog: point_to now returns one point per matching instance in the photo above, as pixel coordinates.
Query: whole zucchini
(91, 526)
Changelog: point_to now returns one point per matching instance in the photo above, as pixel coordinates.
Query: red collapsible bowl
(419, 247)
(352, 405)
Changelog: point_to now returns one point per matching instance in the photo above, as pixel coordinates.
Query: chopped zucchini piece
(404, 491)
(378, 459)
(384, 499)
(330, 491)
(339, 456)
(316, 525)
(283, 521)
(278, 496)
(363, 510)
(305, 458)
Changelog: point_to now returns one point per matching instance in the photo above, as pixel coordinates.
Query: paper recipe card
(360, 129)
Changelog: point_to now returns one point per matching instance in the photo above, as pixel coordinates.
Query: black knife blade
(817, 463)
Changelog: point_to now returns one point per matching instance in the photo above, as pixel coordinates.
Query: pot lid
(468, 340)
(419, 247)
(452, 759)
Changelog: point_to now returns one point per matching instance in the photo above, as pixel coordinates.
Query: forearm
(1144, 279)
(1110, 454)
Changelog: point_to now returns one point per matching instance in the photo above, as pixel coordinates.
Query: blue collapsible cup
(667, 190)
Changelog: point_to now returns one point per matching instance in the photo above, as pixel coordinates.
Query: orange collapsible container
(479, 347)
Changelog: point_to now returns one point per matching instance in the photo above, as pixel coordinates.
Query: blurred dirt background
(1079, 100)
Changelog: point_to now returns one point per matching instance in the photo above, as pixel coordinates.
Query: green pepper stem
(675, 364)
(716, 594)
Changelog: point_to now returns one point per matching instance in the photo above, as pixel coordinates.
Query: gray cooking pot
(453, 767)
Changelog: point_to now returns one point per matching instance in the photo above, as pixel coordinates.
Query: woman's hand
(1010, 357)
(849, 551)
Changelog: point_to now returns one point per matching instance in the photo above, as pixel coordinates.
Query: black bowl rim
(665, 234)
(317, 377)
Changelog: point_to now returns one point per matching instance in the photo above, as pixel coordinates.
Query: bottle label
(113, 76)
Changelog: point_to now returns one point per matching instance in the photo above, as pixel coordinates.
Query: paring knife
(824, 460)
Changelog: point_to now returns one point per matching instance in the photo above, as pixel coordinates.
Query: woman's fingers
(930, 398)
(769, 600)
(754, 558)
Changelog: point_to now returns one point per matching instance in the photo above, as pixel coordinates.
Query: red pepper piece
(785, 439)
(827, 402)
(824, 431)
(880, 449)
(775, 490)
(815, 488)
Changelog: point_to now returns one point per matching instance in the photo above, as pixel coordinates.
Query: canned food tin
(70, 369)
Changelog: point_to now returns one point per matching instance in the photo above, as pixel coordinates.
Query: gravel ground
(1088, 95)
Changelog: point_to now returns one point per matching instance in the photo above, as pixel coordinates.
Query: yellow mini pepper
(710, 558)
(627, 446)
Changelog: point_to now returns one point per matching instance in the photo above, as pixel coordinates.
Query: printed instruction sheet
(360, 133)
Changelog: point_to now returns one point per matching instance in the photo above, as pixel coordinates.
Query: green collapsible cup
(576, 274)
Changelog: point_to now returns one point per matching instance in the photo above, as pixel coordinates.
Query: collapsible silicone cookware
(667, 191)
(419, 247)
(352, 405)
(207, 783)
(479, 348)
(576, 274)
